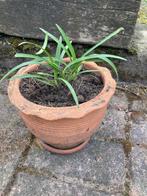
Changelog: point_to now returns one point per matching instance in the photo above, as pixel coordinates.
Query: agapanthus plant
(61, 72)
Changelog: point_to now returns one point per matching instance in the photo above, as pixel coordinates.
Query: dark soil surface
(87, 86)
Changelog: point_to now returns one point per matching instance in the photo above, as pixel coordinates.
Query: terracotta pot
(63, 129)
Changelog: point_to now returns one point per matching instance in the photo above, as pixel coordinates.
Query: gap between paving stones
(65, 179)
(15, 171)
(127, 148)
(127, 143)
(70, 180)
(42, 186)
(45, 173)
(62, 178)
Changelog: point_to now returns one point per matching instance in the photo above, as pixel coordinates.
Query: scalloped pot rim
(56, 113)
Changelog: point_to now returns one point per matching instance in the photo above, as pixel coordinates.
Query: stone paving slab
(119, 101)
(139, 105)
(113, 125)
(99, 169)
(138, 131)
(139, 172)
(14, 138)
(29, 185)
(87, 164)
(3, 87)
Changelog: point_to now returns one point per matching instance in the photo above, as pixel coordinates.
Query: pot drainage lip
(63, 151)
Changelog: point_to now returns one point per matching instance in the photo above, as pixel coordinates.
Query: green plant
(60, 71)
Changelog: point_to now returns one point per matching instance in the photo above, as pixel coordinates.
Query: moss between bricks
(142, 16)
(9, 45)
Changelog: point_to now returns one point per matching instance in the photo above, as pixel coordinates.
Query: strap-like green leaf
(87, 71)
(44, 46)
(113, 56)
(71, 89)
(56, 40)
(79, 60)
(112, 65)
(49, 82)
(38, 46)
(103, 40)
(36, 77)
(44, 74)
(59, 61)
(67, 41)
(95, 58)
(18, 67)
(58, 49)
(27, 76)
(63, 52)
(43, 59)
(22, 55)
